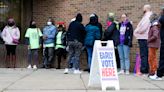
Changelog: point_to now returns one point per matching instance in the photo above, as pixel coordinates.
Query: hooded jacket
(76, 30)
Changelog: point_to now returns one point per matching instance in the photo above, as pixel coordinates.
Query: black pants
(60, 53)
(117, 58)
(11, 49)
(144, 55)
(160, 71)
(48, 55)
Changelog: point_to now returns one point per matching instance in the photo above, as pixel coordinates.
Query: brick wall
(65, 10)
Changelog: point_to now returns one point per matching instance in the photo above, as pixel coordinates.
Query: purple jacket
(154, 37)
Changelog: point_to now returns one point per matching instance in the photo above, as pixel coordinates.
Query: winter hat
(155, 23)
(92, 15)
(111, 14)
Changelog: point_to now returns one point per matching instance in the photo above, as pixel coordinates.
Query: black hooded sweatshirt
(76, 30)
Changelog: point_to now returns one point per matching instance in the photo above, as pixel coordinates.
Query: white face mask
(49, 23)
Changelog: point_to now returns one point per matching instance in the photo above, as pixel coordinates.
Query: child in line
(153, 44)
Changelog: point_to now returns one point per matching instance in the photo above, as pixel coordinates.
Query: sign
(103, 70)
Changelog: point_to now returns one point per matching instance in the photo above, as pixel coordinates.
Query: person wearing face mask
(49, 32)
(141, 34)
(33, 41)
(124, 42)
(11, 36)
(60, 44)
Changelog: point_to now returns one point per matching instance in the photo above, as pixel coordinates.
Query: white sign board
(103, 70)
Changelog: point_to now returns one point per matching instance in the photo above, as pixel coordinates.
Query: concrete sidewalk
(42, 80)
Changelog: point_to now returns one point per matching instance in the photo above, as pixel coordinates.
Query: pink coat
(10, 33)
(142, 29)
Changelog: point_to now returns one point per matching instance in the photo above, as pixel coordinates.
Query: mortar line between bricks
(83, 82)
(17, 80)
(152, 83)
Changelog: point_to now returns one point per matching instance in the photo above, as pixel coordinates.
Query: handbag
(15, 41)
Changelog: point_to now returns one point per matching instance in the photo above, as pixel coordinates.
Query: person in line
(160, 71)
(33, 38)
(124, 40)
(60, 44)
(111, 32)
(153, 43)
(11, 36)
(141, 34)
(75, 38)
(92, 33)
(49, 32)
(99, 25)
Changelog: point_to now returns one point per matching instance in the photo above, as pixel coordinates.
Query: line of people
(78, 37)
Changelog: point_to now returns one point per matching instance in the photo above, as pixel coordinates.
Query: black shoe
(58, 68)
(43, 66)
(86, 70)
(47, 67)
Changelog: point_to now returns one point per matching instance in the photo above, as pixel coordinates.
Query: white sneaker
(34, 67)
(155, 77)
(29, 67)
(66, 71)
(127, 72)
(121, 72)
(77, 72)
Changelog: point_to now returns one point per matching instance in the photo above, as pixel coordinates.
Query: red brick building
(64, 10)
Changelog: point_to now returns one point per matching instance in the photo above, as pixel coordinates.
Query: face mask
(49, 23)
(11, 24)
(33, 26)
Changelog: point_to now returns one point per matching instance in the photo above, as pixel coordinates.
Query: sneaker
(121, 72)
(34, 67)
(127, 72)
(29, 67)
(77, 72)
(155, 77)
(66, 71)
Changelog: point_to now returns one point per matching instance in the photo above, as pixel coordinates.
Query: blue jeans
(33, 53)
(89, 52)
(48, 54)
(124, 52)
(144, 55)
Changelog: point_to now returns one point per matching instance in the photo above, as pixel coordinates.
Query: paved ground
(24, 80)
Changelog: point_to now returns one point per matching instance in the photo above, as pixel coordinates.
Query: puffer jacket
(92, 34)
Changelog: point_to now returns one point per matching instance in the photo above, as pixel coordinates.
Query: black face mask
(33, 26)
(11, 24)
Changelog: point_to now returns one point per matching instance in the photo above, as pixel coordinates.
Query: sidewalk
(42, 80)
